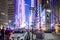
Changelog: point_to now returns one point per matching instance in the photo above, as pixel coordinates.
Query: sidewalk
(58, 34)
(47, 36)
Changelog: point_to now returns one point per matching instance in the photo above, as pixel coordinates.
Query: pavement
(58, 34)
(47, 36)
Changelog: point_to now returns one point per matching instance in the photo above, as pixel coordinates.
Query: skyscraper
(3, 12)
(31, 19)
(20, 13)
(35, 16)
(10, 10)
(38, 13)
(33, 13)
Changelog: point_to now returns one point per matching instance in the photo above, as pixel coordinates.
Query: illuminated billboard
(19, 13)
(52, 19)
(43, 19)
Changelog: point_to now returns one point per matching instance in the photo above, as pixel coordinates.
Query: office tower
(35, 16)
(3, 13)
(20, 13)
(10, 13)
(10, 10)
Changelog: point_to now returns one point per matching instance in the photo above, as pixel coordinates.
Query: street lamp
(48, 10)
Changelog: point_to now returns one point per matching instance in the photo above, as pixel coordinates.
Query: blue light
(52, 2)
(52, 18)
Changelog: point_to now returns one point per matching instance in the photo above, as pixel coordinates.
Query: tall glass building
(19, 13)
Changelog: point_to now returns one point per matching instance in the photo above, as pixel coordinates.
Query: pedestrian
(53, 29)
(28, 35)
(2, 33)
(10, 31)
(6, 34)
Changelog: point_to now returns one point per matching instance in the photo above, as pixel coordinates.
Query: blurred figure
(10, 31)
(28, 35)
(39, 34)
(2, 33)
(6, 34)
(53, 29)
(6, 31)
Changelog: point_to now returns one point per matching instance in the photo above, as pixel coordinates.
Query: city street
(49, 36)
(29, 19)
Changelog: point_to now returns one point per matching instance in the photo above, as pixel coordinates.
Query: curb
(56, 34)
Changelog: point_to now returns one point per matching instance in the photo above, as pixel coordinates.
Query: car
(19, 35)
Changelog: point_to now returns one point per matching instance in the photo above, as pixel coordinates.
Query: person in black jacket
(6, 31)
(6, 34)
(2, 33)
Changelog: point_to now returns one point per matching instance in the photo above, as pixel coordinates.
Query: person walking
(2, 33)
(6, 34)
(10, 31)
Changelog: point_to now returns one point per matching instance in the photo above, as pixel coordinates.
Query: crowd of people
(5, 33)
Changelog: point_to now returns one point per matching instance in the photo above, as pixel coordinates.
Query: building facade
(19, 13)
(3, 13)
(10, 10)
